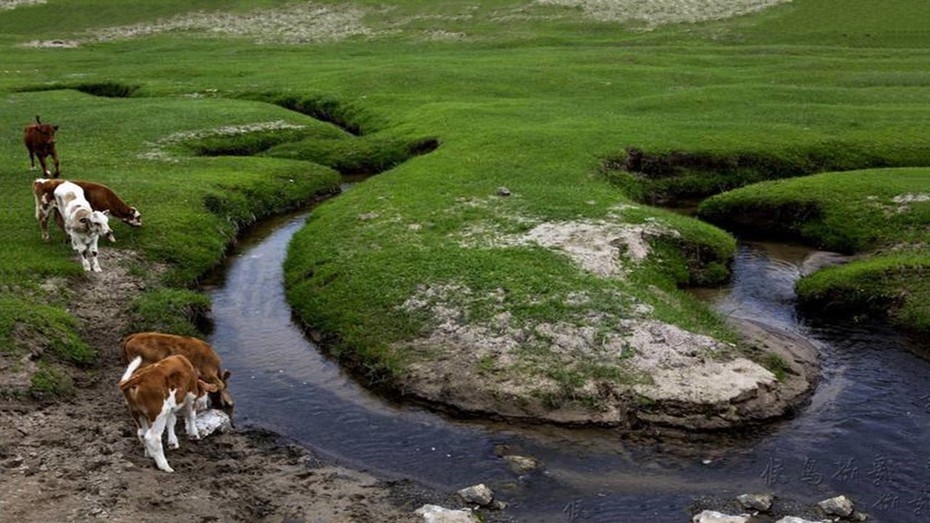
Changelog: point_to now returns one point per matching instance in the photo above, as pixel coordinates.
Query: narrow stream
(865, 433)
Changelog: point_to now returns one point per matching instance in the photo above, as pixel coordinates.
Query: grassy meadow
(207, 115)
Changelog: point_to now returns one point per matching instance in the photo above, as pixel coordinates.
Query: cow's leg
(172, 436)
(42, 211)
(32, 160)
(44, 166)
(79, 248)
(95, 265)
(85, 252)
(190, 417)
(142, 427)
(55, 160)
(154, 434)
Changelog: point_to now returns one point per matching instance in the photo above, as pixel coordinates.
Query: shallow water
(864, 434)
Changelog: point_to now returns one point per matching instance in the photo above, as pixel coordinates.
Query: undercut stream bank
(863, 433)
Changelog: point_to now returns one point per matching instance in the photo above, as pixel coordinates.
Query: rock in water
(710, 516)
(437, 514)
(211, 421)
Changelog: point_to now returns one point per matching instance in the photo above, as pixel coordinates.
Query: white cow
(83, 224)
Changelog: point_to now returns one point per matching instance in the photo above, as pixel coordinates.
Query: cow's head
(204, 389)
(135, 218)
(99, 223)
(221, 398)
(46, 132)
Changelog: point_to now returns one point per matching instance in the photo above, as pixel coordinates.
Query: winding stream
(865, 433)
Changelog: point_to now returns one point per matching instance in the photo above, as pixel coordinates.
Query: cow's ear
(209, 387)
(106, 212)
(55, 127)
(226, 374)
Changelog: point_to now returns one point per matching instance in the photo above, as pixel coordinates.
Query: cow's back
(155, 346)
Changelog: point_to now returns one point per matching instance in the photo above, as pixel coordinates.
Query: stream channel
(865, 432)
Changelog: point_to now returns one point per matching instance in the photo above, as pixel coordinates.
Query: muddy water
(866, 432)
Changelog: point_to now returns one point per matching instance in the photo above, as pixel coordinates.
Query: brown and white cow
(155, 394)
(84, 225)
(99, 196)
(156, 346)
(40, 141)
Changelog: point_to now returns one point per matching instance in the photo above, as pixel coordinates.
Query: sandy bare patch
(900, 204)
(158, 150)
(297, 23)
(605, 248)
(654, 13)
(6, 5)
(598, 247)
(53, 44)
(504, 366)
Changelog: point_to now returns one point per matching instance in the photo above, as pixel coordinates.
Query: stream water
(865, 433)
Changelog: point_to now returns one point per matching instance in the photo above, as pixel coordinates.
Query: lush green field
(460, 99)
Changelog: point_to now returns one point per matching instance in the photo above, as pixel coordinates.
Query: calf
(155, 394)
(99, 196)
(83, 224)
(155, 346)
(40, 141)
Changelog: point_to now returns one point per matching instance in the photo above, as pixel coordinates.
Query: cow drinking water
(156, 346)
(155, 394)
(40, 141)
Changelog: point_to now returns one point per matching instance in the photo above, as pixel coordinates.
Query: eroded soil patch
(80, 460)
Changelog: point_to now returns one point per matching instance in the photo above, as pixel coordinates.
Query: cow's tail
(124, 382)
(37, 120)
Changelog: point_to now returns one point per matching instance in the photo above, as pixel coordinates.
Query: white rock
(761, 502)
(437, 514)
(838, 506)
(479, 494)
(710, 516)
(210, 421)
(792, 519)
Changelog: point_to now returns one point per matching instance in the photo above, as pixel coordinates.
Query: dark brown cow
(40, 141)
(100, 197)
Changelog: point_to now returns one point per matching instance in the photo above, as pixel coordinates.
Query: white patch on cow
(154, 434)
(133, 365)
(190, 414)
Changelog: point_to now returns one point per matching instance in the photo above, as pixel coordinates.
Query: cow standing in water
(40, 141)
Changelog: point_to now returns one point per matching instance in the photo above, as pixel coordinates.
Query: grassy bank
(206, 122)
(883, 215)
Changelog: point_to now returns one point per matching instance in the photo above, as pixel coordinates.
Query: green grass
(883, 214)
(536, 99)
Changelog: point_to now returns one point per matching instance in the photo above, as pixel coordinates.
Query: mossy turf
(881, 214)
(449, 102)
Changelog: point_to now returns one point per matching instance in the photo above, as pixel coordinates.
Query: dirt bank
(79, 460)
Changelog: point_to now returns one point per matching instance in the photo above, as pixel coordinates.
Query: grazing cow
(83, 224)
(40, 141)
(155, 394)
(100, 197)
(155, 346)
